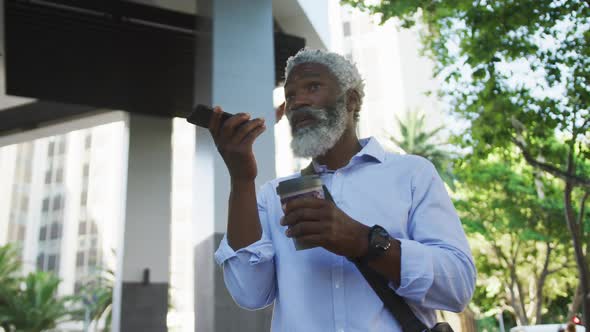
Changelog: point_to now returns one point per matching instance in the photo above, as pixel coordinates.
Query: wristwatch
(379, 243)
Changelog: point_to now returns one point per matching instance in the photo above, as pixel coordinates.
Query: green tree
(29, 304)
(519, 72)
(513, 217)
(36, 307)
(9, 269)
(98, 295)
(416, 139)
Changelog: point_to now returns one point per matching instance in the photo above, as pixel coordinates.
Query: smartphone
(201, 116)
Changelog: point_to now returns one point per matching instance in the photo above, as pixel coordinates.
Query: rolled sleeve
(437, 269)
(249, 273)
(260, 251)
(415, 279)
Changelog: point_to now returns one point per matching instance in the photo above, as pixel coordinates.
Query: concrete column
(7, 165)
(145, 237)
(239, 64)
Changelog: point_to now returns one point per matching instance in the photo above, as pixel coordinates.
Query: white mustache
(316, 113)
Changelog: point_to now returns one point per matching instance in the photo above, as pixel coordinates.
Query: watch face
(380, 238)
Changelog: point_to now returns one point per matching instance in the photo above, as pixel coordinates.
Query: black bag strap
(393, 302)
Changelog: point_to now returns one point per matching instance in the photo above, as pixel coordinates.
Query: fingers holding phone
(234, 138)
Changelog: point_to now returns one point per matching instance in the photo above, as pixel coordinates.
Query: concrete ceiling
(7, 101)
(183, 6)
(304, 18)
(290, 15)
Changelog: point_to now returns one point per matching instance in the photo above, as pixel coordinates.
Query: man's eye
(314, 86)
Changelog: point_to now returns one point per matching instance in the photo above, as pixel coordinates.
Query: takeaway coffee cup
(303, 186)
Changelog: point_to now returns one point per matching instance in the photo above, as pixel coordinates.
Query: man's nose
(298, 102)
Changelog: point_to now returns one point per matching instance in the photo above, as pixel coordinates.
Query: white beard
(317, 138)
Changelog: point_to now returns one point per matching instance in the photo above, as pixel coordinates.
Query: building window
(48, 177)
(51, 149)
(80, 258)
(92, 257)
(94, 228)
(28, 174)
(24, 203)
(86, 170)
(83, 198)
(11, 231)
(82, 228)
(21, 233)
(55, 231)
(40, 262)
(57, 203)
(62, 146)
(88, 141)
(42, 233)
(59, 175)
(45, 204)
(52, 261)
(94, 243)
(346, 29)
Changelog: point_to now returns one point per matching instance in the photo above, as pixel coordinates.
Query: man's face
(316, 109)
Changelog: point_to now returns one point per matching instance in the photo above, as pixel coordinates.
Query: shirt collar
(371, 149)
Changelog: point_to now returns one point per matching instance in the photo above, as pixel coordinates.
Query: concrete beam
(304, 18)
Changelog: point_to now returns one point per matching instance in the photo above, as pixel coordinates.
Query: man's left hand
(321, 223)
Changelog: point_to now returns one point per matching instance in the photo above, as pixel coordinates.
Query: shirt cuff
(258, 252)
(417, 271)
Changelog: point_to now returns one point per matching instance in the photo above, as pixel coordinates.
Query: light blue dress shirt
(316, 290)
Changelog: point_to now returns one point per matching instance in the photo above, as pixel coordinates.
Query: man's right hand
(234, 141)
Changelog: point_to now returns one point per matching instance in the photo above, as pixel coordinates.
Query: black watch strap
(379, 243)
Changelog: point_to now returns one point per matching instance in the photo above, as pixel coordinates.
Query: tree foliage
(418, 140)
(514, 219)
(519, 73)
(9, 282)
(97, 295)
(29, 304)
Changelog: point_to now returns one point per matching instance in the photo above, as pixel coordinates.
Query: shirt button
(337, 285)
(340, 330)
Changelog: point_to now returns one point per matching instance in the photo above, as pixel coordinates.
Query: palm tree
(37, 307)
(9, 268)
(98, 296)
(9, 264)
(416, 140)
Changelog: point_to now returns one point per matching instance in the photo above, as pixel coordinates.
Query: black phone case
(201, 116)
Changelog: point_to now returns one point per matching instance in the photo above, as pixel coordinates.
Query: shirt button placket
(340, 306)
(338, 291)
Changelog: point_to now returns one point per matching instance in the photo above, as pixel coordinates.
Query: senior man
(377, 196)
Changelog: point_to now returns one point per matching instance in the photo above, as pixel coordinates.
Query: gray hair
(345, 71)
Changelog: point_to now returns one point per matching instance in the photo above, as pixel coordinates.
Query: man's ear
(279, 112)
(353, 101)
